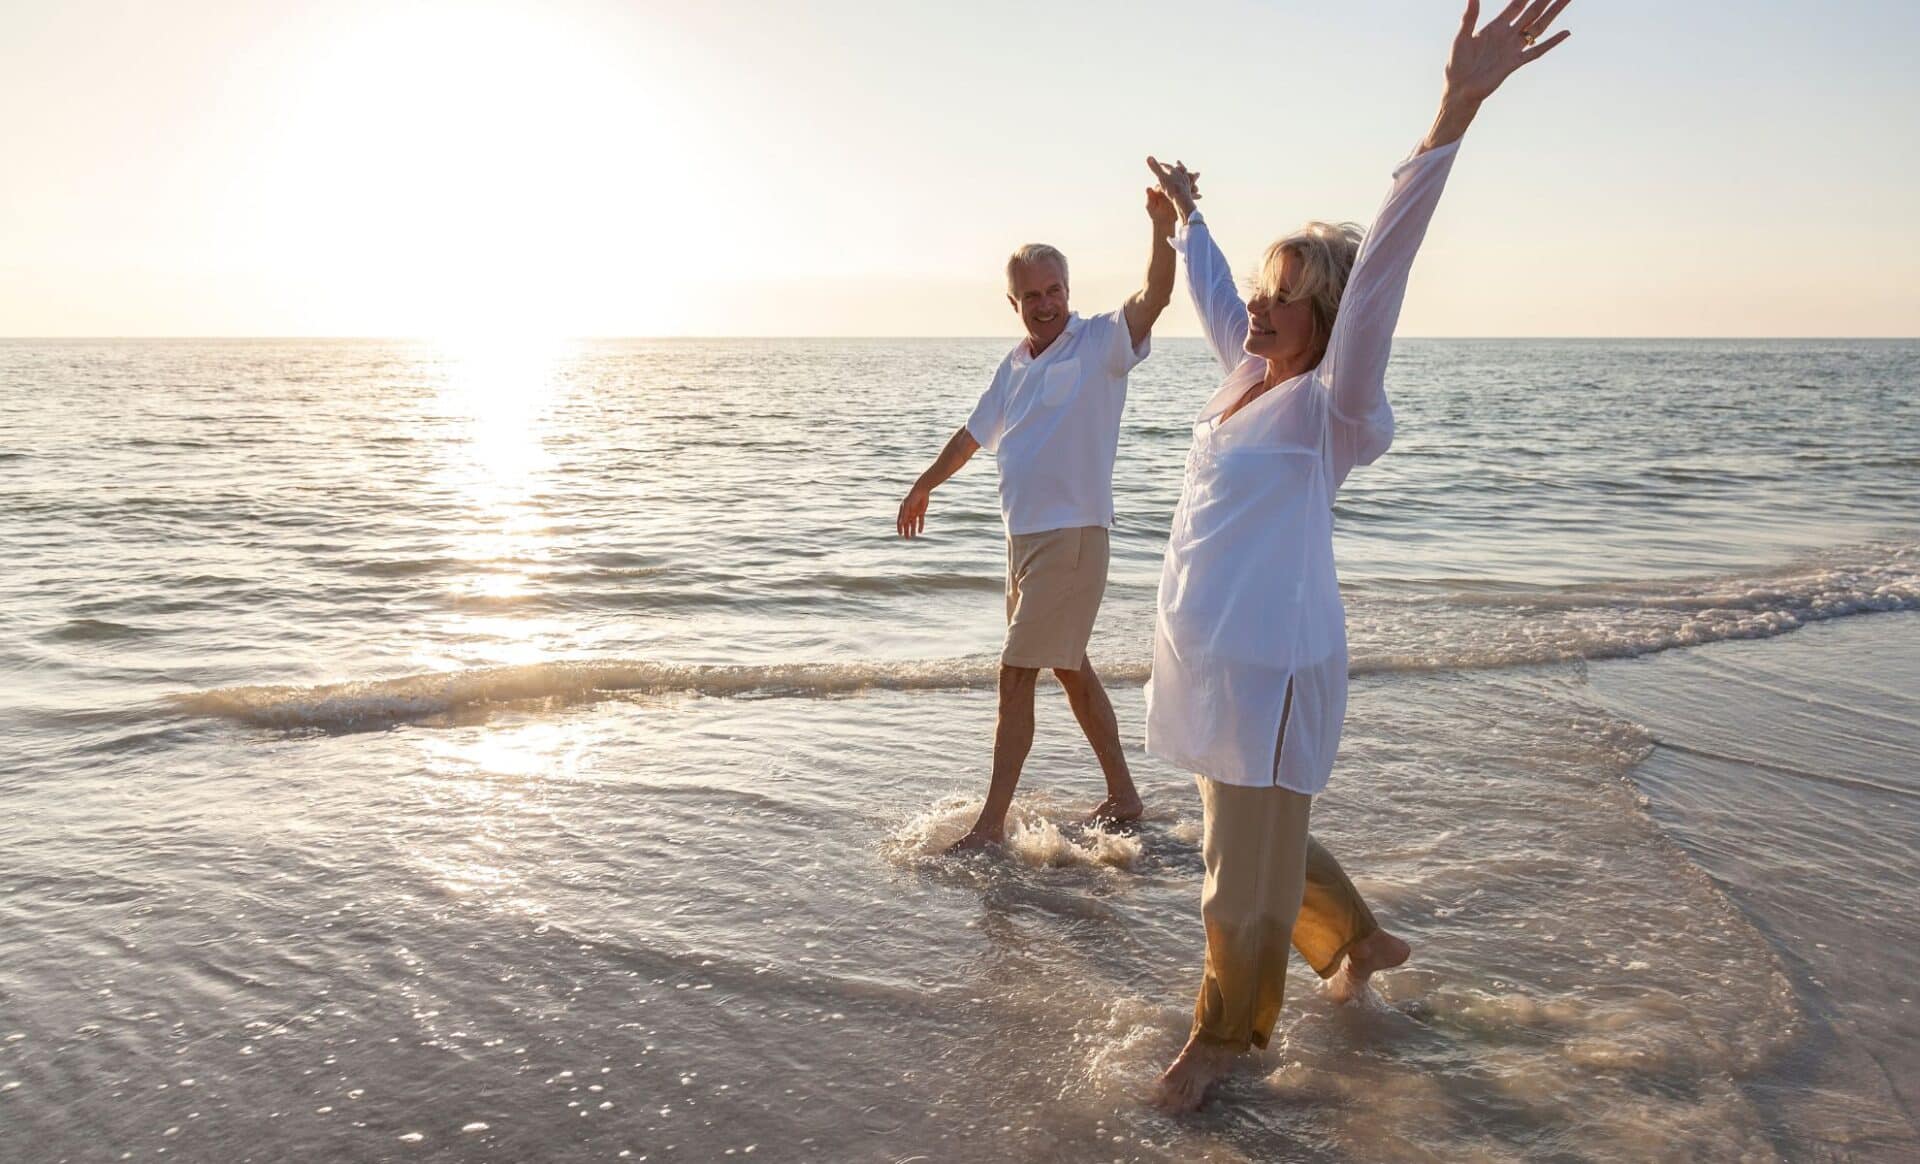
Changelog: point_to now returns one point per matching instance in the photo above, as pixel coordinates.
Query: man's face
(1039, 294)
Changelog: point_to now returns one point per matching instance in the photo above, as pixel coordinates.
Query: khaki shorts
(1055, 580)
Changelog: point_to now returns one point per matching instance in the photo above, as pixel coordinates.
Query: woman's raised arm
(1355, 365)
(1223, 315)
(1356, 361)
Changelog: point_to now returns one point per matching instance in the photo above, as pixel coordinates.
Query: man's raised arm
(960, 448)
(1145, 305)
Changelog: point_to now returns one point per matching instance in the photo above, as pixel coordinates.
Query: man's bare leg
(1012, 740)
(1095, 712)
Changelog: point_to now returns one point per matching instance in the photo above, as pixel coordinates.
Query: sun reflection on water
(496, 401)
(492, 788)
(494, 416)
(502, 391)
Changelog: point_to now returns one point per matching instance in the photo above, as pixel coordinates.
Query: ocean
(544, 753)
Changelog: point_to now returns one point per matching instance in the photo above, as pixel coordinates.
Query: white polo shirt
(1053, 424)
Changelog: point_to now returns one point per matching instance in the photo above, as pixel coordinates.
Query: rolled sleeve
(1121, 354)
(988, 422)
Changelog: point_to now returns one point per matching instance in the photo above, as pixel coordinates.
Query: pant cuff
(1242, 1043)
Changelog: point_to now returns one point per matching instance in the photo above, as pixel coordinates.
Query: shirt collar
(1021, 350)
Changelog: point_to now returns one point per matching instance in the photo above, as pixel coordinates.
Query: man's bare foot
(1183, 1085)
(978, 838)
(1116, 811)
(1377, 951)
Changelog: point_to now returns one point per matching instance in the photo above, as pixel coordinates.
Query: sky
(642, 168)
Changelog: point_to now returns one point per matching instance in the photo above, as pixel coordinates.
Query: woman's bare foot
(978, 838)
(1183, 1085)
(1377, 951)
(1116, 811)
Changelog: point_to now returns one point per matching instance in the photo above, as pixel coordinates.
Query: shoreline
(1769, 801)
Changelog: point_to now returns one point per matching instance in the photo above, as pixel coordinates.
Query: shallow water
(543, 755)
(1805, 806)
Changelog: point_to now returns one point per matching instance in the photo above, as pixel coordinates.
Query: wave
(1464, 630)
(1517, 626)
(374, 703)
(906, 584)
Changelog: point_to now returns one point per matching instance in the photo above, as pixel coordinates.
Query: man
(1051, 418)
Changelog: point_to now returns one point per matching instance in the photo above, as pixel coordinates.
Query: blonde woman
(1250, 654)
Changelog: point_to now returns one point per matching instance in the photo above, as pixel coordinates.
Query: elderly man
(1051, 418)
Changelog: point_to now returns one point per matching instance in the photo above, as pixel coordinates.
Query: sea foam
(1465, 629)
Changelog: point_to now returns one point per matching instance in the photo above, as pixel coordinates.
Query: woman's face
(1277, 328)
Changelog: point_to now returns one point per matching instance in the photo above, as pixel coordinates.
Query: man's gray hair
(1033, 253)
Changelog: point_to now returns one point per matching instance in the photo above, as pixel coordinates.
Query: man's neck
(1036, 345)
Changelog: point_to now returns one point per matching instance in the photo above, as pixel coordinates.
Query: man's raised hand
(1161, 209)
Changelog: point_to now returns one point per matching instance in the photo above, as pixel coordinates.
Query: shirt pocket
(1059, 382)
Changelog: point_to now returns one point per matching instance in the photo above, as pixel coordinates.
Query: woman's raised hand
(1482, 59)
(1178, 183)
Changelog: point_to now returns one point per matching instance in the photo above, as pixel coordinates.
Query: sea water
(545, 752)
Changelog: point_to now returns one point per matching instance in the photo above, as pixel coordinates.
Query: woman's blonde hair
(1326, 252)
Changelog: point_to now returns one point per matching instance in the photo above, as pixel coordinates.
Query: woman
(1250, 655)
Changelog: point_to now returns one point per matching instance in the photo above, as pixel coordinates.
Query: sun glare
(502, 385)
(494, 163)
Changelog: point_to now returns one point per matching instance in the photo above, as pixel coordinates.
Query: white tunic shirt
(1249, 602)
(1052, 422)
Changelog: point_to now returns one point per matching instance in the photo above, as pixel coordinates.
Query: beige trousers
(1269, 886)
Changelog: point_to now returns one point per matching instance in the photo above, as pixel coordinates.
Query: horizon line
(849, 336)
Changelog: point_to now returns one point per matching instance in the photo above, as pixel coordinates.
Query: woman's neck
(1279, 371)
